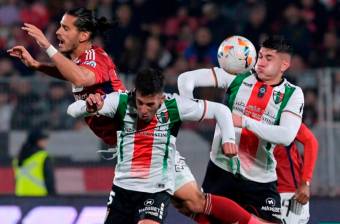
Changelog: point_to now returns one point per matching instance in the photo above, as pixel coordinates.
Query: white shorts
(288, 217)
(183, 173)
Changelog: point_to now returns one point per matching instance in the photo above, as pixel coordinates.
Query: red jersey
(107, 81)
(291, 169)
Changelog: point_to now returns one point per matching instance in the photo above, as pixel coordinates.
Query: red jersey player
(294, 176)
(87, 67)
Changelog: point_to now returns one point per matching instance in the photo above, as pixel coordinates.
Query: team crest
(277, 96)
(163, 117)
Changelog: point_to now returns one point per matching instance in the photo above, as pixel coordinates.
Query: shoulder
(297, 90)
(100, 51)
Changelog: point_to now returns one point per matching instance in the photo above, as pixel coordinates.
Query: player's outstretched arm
(213, 77)
(289, 122)
(95, 104)
(26, 58)
(284, 133)
(197, 110)
(78, 75)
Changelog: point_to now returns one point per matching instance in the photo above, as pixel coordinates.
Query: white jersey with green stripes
(146, 151)
(249, 96)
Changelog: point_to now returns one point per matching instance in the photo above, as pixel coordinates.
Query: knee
(195, 204)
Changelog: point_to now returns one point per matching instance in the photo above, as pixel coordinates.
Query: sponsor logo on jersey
(149, 202)
(277, 96)
(270, 201)
(90, 63)
(262, 91)
(247, 84)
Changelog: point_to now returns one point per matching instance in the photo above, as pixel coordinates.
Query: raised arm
(95, 104)
(78, 75)
(213, 77)
(26, 58)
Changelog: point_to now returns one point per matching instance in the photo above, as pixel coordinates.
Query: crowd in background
(173, 36)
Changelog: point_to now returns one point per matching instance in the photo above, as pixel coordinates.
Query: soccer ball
(236, 54)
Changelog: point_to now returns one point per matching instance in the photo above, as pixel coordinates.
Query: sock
(225, 210)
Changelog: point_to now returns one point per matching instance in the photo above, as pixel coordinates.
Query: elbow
(80, 81)
(289, 138)
(83, 78)
(184, 82)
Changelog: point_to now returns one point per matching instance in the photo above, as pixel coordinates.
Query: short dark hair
(149, 81)
(278, 43)
(87, 21)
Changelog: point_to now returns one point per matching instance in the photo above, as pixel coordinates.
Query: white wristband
(51, 51)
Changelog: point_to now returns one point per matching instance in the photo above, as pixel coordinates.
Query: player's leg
(261, 199)
(293, 213)
(152, 207)
(119, 207)
(190, 199)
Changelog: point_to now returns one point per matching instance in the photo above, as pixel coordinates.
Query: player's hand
(302, 194)
(94, 102)
(26, 58)
(37, 34)
(230, 149)
(237, 120)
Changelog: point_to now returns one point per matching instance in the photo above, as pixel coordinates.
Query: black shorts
(128, 207)
(261, 199)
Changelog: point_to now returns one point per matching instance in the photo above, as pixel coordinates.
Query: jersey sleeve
(111, 102)
(223, 78)
(310, 151)
(190, 109)
(295, 103)
(99, 63)
(197, 110)
(212, 77)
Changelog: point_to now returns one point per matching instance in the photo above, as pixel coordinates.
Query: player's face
(271, 64)
(147, 106)
(68, 34)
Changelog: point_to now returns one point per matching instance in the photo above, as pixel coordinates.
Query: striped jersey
(247, 95)
(146, 151)
(107, 81)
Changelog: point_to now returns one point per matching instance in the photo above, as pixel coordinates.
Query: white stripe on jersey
(90, 55)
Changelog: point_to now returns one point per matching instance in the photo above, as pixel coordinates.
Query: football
(236, 54)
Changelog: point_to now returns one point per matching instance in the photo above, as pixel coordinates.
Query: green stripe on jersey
(121, 111)
(289, 90)
(234, 87)
(174, 124)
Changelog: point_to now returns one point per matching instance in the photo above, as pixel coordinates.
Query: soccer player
(86, 66)
(267, 110)
(145, 171)
(295, 174)
(90, 70)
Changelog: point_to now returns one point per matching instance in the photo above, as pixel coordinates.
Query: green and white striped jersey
(249, 96)
(146, 151)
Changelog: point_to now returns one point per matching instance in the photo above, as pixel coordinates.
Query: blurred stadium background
(174, 36)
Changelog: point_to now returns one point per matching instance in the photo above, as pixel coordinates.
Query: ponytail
(87, 21)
